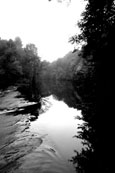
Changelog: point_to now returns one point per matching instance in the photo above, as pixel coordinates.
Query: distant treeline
(63, 68)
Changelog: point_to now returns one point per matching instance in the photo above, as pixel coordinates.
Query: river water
(36, 139)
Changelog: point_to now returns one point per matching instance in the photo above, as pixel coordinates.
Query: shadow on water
(29, 109)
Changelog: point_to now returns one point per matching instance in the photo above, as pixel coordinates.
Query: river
(36, 138)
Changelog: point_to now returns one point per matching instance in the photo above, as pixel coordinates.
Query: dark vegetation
(19, 66)
(94, 84)
(61, 69)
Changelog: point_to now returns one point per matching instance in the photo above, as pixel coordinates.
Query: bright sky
(46, 24)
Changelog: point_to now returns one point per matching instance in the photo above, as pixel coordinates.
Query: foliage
(63, 68)
(19, 66)
(94, 84)
(10, 68)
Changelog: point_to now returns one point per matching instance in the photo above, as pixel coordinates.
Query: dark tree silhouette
(19, 66)
(95, 86)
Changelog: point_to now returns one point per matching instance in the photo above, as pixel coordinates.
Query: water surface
(37, 140)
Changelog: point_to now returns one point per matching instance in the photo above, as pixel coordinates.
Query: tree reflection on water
(63, 90)
(85, 160)
(92, 157)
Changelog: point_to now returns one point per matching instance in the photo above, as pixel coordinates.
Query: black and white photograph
(56, 86)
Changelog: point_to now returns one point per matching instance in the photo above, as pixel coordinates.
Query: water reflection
(62, 90)
(59, 122)
(40, 140)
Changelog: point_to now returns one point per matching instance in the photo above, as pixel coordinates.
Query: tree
(10, 66)
(18, 43)
(31, 49)
(97, 30)
(19, 66)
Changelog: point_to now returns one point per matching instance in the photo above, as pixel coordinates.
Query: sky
(48, 25)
